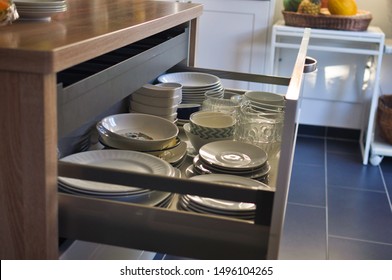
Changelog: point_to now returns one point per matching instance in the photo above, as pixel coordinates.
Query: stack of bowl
(260, 120)
(138, 132)
(159, 100)
(220, 104)
(231, 157)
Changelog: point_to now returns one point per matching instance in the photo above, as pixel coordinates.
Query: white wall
(382, 17)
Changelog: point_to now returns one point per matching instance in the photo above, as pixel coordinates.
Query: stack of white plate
(39, 9)
(238, 210)
(231, 157)
(159, 100)
(195, 85)
(120, 160)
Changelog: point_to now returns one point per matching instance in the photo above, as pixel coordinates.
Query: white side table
(379, 147)
(344, 91)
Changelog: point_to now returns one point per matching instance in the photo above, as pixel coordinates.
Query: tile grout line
(306, 205)
(361, 240)
(385, 187)
(326, 197)
(356, 189)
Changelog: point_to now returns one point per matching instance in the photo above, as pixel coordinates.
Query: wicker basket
(384, 117)
(359, 22)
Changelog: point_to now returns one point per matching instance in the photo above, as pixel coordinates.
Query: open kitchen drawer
(168, 230)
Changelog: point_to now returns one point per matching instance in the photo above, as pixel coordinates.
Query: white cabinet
(233, 36)
(340, 93)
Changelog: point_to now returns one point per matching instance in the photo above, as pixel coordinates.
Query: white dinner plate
(120, 160)
(232, 180)
(190, 79)
(38, 14)
(235, 155)
(187, 205)
(106, 193)
(221, 204)
(149, 198)
(41, 3)
(202, 90)
(253, 173)
(225, 206)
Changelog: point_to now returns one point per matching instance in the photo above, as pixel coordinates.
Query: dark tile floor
(338, 208)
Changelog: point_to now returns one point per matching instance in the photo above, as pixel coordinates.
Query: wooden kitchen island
(31, 53)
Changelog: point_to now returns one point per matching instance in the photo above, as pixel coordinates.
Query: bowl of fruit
(326, 14)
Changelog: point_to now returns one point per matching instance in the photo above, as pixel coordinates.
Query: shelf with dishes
(154, 145)
(234, 137)
(219, 232)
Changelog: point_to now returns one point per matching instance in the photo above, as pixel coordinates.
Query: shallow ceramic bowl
(198, 142)
(161, 90)
(156, 101)
(153, 110)
(172, 117)
(138, 132)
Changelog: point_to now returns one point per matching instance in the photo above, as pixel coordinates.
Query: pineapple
(310, 7)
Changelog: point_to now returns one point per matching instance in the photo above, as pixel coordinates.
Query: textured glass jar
(259, 127)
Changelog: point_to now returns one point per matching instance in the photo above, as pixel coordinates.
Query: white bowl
(163, 102)
(159, 91)
(153, 110)
(198, 142)
(172, 117)
(208, 124)
(175, 86)
(139, 132)
(265, 97)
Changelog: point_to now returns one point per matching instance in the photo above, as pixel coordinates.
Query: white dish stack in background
(160, 100)
(195, 85)
(39, 9)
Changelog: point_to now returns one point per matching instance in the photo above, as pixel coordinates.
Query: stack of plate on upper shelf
(231, 157)
(124, 161)
(39, 9)
(195, 85)
(231, 209)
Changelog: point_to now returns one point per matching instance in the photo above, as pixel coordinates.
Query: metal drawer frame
(183, 233)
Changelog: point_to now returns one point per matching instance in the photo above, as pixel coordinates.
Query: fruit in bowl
(291, 5)
(8, 12)
(310, 7)
(342, 7)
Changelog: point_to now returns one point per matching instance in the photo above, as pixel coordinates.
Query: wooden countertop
(87, 29)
